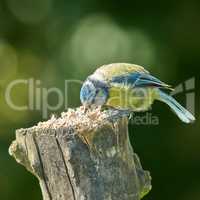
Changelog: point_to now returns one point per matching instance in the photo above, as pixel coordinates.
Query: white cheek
(100, 100)
(97, 76)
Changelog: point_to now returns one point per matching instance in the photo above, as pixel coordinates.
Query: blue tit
(129, 87)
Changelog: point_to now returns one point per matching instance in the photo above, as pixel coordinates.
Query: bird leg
(116, 114)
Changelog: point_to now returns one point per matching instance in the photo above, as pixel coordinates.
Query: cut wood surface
(82, 156)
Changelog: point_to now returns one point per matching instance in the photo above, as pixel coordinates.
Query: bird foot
(114, 114)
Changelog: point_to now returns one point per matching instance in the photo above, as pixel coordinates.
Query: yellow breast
(137, 99)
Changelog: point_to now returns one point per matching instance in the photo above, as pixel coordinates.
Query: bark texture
(82, 156)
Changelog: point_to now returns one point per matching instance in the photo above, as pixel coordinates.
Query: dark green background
(54, 40)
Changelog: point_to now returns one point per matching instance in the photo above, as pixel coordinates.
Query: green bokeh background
(53, 41)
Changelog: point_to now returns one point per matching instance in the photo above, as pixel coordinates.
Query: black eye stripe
(97, 91)
(98, 84)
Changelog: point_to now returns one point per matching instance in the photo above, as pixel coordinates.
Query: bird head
(93, 92)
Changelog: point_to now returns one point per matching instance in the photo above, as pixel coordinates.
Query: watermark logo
(147, 119)
(188, 89)
(38, 98)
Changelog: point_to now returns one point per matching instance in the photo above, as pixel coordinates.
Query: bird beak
(85, 108)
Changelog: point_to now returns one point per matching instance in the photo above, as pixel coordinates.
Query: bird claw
(114, 114)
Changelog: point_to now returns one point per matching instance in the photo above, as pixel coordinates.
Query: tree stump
(82, 156)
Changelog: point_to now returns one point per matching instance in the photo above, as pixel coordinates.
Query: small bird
(128, 87)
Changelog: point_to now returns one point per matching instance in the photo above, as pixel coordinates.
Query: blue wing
(140, 80)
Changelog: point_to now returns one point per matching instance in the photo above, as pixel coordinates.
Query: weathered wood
(82, 156)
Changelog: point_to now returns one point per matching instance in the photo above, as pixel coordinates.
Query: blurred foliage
(53, 41)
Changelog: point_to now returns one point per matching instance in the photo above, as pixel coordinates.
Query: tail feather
(179, 110)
